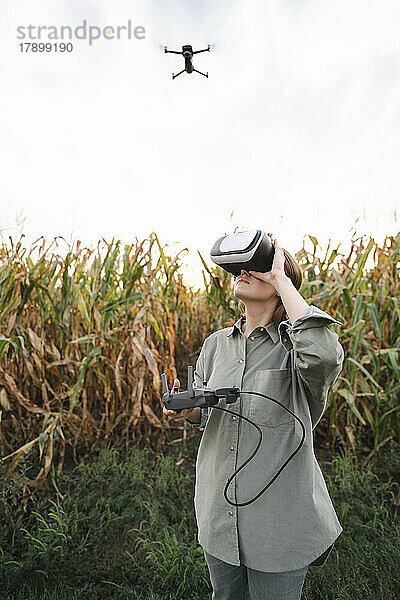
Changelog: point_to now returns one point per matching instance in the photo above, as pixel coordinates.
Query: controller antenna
(165, 384)
(190, 381)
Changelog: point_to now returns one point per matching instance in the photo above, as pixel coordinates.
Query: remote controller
(201, 397)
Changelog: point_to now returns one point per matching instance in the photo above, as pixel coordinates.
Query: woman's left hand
(277, 272)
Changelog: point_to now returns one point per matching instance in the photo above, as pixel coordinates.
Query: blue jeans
(241, 583)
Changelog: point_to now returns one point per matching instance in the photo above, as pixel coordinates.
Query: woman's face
(248, 287)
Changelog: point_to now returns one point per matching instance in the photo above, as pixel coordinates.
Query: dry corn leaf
(36, 360)
(11, 323)
(56, 353)
(61, 457)
(137, 394)
(153, 419)
(97, 318)
(16, 455)
(66, 362)
(147, 353)
(36, 341)
(117, 371)
(350, 435)
(4, 401)
(42, 475)
(52, 350)
(21, 398)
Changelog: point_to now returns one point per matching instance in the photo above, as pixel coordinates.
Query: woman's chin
(240, 295)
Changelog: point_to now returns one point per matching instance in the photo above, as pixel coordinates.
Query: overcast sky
(296, 130)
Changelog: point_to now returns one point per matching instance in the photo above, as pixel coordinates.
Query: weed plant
(126, 528)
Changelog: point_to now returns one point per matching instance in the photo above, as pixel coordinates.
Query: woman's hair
(293, 271)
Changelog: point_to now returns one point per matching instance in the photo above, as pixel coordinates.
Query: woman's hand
(172, 414)
(277, 272)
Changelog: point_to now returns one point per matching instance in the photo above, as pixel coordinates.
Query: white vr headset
(248, 250)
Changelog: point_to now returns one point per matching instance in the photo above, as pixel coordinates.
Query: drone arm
(172, 51)
(205, 74)
(180, 73)
(205, 50)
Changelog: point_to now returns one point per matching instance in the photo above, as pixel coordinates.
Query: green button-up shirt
(293, 522)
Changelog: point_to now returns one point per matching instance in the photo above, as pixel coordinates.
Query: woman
(262, 550)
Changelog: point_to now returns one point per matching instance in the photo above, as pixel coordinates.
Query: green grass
(126, 529)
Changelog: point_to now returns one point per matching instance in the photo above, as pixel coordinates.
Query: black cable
(258, 445)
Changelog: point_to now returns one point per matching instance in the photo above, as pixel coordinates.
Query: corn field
(85, 336)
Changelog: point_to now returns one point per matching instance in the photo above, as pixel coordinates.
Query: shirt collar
(271, 328)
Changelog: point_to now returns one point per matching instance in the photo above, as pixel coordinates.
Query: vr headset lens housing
(248, 250)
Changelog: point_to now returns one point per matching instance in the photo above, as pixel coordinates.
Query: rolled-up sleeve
(318, 355)
(198, 382)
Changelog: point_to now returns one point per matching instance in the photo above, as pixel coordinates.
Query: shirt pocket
(277, 384)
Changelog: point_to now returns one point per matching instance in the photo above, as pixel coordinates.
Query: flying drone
(187, 53)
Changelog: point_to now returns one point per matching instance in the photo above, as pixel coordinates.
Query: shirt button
(231, 513)
(232, 448)
(241, 360)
